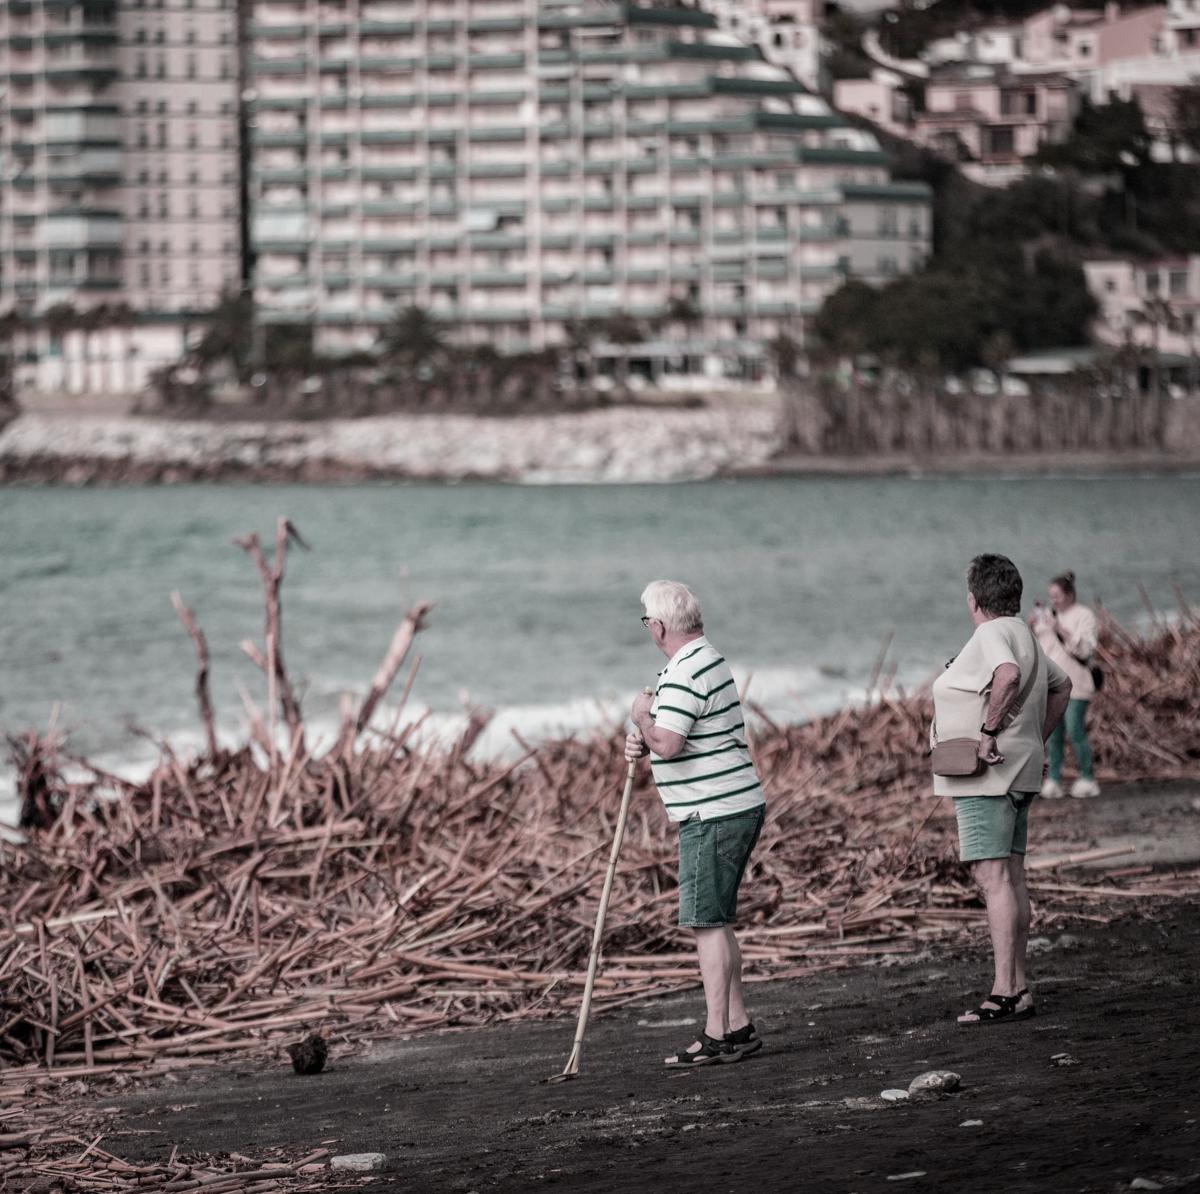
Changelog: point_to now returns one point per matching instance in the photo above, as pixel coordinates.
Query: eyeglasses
(647, 619)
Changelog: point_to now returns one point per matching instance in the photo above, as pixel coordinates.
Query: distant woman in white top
(1002, 691)
(1067, 632)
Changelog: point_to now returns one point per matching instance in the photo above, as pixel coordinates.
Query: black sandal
(744, 1041)
(1025, 1013)
(1005, 1009)
(710, 1050)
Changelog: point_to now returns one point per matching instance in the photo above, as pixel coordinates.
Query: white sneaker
(1085, 789)
(1051, 789)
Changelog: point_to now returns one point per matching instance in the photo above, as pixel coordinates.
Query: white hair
(674, 605)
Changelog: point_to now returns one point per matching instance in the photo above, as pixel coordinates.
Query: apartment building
(119, 195)
(514, 166)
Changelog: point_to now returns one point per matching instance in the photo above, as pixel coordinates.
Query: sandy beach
(1095, 1092)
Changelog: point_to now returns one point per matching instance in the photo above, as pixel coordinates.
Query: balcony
(265, 140)
(82, 230)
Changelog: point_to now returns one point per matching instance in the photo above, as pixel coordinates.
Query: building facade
(516, 167)
(119, 197)
(786, 31)
(1153, 302)
(992, 119)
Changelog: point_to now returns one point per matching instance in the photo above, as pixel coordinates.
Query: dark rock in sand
(308, 1057)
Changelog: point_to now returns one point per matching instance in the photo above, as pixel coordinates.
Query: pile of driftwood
(243, 897)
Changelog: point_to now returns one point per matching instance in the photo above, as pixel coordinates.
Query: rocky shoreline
(619, 444)
(631, 444)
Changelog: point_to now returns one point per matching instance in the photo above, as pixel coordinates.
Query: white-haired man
(694, 732)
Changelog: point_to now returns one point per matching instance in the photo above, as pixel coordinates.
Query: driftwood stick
(272, 580)
(402, 640)
(202, 670)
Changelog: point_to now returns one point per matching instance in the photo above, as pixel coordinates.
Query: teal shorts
(992, 826)
(712, 859)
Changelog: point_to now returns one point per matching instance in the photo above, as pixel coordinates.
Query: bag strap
(1027, 687)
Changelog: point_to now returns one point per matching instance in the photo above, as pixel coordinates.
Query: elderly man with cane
(694, 731)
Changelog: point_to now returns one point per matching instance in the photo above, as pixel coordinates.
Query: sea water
(536, 591)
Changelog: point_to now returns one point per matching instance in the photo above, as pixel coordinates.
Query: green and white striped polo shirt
(713, 775)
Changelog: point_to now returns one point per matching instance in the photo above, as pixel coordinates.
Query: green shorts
(992, 826)
(712, 859)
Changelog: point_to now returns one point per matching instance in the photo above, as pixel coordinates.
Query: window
(999, 142)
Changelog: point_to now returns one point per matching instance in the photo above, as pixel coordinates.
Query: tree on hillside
(957, 316)
(1185, 116)
(1105, 139)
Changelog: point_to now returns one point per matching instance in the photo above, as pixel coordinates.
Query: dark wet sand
(465, 1111)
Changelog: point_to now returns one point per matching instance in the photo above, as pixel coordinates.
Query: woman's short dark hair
(996, 585)
(1066, 582)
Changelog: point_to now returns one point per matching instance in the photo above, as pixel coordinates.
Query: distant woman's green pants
(1073, 726)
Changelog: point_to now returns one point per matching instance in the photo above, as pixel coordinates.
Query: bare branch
(202, 671)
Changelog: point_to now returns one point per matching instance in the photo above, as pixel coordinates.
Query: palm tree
(228, 335)
(11, 322)
(581, 340)
(623, 331)
(682, 311)
(57, 320)
(413, 338)
(91, 320)
(122, 317)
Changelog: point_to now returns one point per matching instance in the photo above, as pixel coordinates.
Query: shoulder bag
(959, 757)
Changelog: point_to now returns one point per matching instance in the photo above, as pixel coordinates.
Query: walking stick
(572, 1066)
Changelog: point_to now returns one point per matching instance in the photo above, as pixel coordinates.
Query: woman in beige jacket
(1067, 632)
